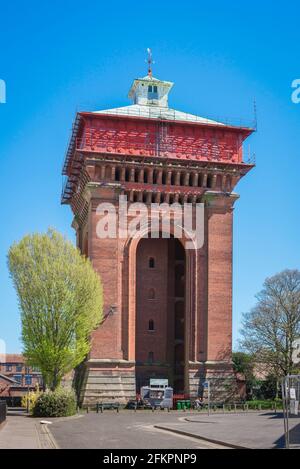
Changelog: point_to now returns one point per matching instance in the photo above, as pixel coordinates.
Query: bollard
(168, 409)
(223, 408)
(153, 408)
(135, 407)
(87, 409)
(101, 407)
(235, 408)
(117, 409)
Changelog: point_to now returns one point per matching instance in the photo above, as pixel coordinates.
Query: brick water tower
(167, 309)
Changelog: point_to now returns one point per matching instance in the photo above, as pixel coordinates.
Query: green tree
(60, 298)
(243, 363)
(272, 327)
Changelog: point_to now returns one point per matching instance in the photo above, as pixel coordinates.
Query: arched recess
(129, 297)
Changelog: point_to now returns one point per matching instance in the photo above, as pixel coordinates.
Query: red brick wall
(156, 310)
(104, 254)
(219, 314)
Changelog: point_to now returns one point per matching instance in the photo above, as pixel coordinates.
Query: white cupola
(150, 91)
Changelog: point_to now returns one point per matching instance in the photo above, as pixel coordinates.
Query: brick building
(168, 309)
(16, 378)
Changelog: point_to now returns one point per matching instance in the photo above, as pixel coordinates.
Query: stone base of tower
(105, 381)
(223, 383)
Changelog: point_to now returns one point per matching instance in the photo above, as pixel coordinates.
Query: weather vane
(150, 62)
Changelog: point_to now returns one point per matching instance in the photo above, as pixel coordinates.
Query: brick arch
(129, 294)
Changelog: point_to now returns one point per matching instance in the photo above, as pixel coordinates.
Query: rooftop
(12, 358)
(157, 112)
(150, 98)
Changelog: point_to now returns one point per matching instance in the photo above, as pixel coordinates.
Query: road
(127, 429)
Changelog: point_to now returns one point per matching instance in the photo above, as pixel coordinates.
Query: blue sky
(58, 57)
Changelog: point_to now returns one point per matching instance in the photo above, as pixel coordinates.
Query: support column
(141, 176)
(159, 177)
(132, 174)
(187, 179)
(169, 178)
(123, 173)
(150, 176)
(218, 353)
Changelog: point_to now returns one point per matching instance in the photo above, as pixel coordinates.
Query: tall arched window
(127, 174)
(209, 181)
(151, 325)
(151, 263)
(118, 174)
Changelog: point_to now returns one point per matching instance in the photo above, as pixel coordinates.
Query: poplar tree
(60, 299)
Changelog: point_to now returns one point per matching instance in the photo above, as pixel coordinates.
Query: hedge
(59, 403)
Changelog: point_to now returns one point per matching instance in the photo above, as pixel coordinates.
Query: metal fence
(291, 410)
(2, 411)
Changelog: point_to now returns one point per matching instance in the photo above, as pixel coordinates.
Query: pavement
(24, 432)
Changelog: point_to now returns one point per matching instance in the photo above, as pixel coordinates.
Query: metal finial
(150, 62)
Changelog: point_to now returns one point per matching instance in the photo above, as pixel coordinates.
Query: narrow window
(154, 89)
(151, 294)
(209, 182)
(151, 263)
(145, 176)
(151, 325)
(28, 380)
(118, 174)
(127, 175)
(18, 378)
(149, 89)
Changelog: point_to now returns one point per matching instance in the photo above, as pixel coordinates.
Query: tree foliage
(243, 363)
(60, 298)
(271, 328)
